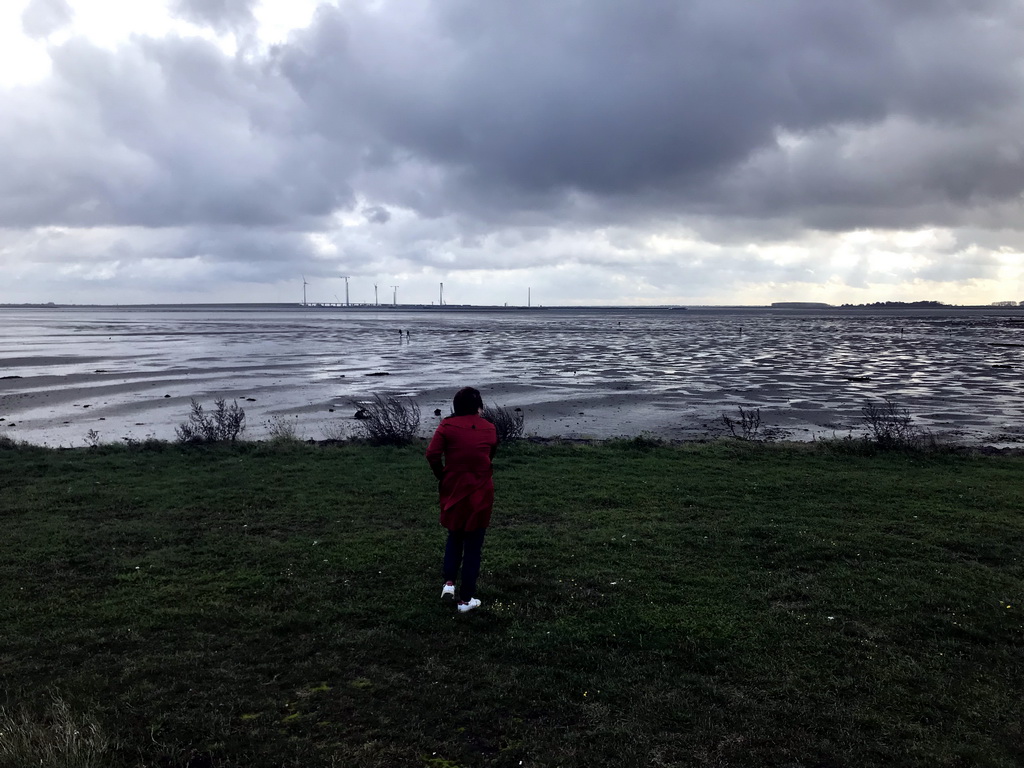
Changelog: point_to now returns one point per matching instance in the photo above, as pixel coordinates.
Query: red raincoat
(467, 444)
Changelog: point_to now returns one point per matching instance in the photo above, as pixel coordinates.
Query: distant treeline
(888, 304)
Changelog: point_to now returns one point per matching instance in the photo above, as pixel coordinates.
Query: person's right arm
(435, 452)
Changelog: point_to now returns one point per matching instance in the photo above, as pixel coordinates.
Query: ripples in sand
(130, 373)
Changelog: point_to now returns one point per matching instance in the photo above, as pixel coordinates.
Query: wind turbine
(441, 296)
(345, 278)
(375, 302)
(394, 299)
(304, 284)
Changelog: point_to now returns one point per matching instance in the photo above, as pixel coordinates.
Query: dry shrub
(225, 424)
(389, 420)
(509, 424)
(750, 428)
(890, 426)
(747, 426)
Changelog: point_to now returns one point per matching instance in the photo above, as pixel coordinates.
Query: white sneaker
(448, 590)
(473, 603)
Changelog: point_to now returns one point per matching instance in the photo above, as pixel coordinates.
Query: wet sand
(129, 374)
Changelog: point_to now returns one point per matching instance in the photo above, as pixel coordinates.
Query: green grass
(721, 605)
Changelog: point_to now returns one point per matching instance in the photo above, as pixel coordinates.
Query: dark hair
(467, 402)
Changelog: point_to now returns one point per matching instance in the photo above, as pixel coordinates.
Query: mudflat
(130, 373)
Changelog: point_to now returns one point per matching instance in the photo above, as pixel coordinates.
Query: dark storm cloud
(377, 215)
(667, 102)
(42, 18)
(261, 248)
(737, 119)
(164, 133)
(221, 15)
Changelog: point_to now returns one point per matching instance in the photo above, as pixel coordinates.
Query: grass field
(721, 605)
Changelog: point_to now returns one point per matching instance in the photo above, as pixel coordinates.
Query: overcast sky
(591, 151)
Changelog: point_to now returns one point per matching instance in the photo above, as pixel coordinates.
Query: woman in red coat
(460, 455)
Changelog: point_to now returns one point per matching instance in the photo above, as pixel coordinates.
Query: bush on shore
(508, 423)
(389, 420)
(225, 424)
(747, 426)
(890, 426)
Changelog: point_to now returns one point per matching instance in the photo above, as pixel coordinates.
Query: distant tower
(528, 299)
(345, 278)
(375, 302)
(441, 302)
(304, 284)
(394, 298)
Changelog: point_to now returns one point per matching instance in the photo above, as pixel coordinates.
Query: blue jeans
(463, 549)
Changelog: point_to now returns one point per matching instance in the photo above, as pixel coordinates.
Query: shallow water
(129, 373)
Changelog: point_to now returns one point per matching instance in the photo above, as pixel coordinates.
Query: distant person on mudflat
(460, 456)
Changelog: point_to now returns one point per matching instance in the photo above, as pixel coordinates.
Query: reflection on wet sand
(130, 373)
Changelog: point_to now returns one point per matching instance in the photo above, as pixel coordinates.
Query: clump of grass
(389, 420)
(643, 442)
(55, 738)
(335, 431)
(282, 430)
(508, 423)
(146, 444)
(225, 424)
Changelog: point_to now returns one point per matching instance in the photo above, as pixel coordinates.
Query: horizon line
(784, 305)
